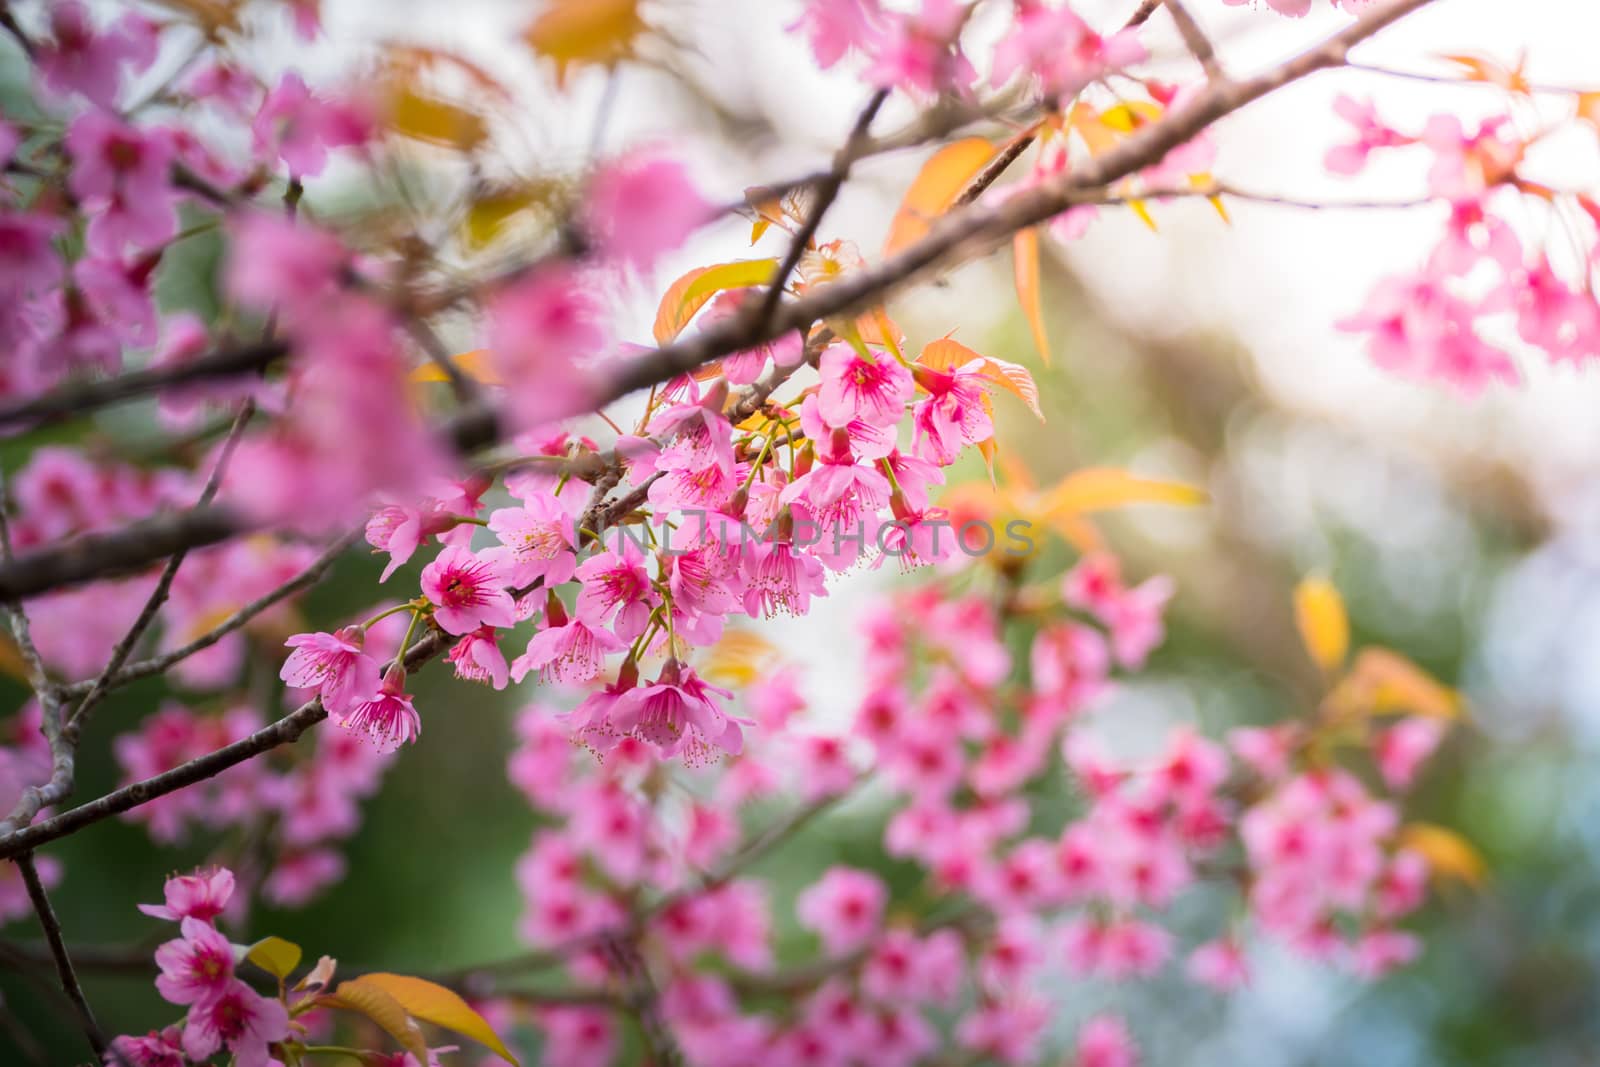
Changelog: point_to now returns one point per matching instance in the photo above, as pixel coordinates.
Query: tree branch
(58, 950)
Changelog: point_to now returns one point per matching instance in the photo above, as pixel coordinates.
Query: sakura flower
(1104, 1041)
(1402, 749)
(836, 27)
(539, 539)
(78, 58)
(467, 592)
(1378, 952)
(334, 665)
(566, 652)
(921, 52)
(1057, 47)
(1219, 965)
(240, 1019)
(1418, 328)
(1370, 135)
(643, 205)
(123, 177)
(195, 968)
(28, 259)
(300, 129)
(677, 715)
(477, 658)
(389, 718)
(844, 908)
(543, 331)
(955, 414)
(159, 1048)
(876, 391)
(202, 896)
(781, 580)
(275, 262)
(616, 583)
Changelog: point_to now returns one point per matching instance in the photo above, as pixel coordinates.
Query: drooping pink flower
(920, 52)
(300, 128)
(1416, 327)
(1377, 952)
(677, 714)
(1402, 749)
(844, 908)
(477, 658)
(780, 579)
(875, 391)
(616, 583)
(568, 653)
(954, 415)
(1370, 135)
(388, 718)
(334, 665)
(196, 967)
(1057, 47)
(119, 294)
(28, 259)
(1219, 965)
(545, 334)
(1104, 1041)
(123, 177)
(240, 1019)
(643, 205)
(158, 1048)
(467, 591)
(837, 27)
(78, 58)
(202, 895)
(279, 263)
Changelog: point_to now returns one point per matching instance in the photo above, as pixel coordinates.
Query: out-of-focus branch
(58, 951)
(1195, 40)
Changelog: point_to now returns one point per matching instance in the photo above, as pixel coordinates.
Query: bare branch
(1195, 40)
(58, 950)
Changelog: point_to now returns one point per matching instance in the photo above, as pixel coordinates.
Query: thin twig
(1196, 41)
(58, 950)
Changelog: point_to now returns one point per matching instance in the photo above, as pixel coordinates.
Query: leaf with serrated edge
(368, 998)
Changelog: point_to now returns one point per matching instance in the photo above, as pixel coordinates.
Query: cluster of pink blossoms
(1439, 322)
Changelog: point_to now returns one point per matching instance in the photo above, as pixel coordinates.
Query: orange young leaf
(1104, 488)
(1480, 69)
(1140, 209)
(935, 190)
(1447, 852)
(586, 32)
(694, 290)
(475, 365)
(435, 1004)
(1324, 627)
(364, 997)
(1386, 683)
(1025, 263)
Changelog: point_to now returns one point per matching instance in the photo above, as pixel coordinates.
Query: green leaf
(274, 955)
(440, 1006)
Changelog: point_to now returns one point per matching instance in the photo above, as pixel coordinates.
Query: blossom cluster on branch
(613, 521)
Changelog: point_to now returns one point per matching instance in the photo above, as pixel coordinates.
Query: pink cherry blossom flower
(781, 580)
(275, 262)
(539, 539)
(643, 205)
(195, 968)
(566, 652)
(921, 52)
(1292, 8)
(78, 58)
(28, 259)
(1377, 952)
(202, 895)
(1104, 1041)
(119, 294)
(477, 658)
(467, 592)
(1370, 135)
(388, 718)
(1006, 1030)
(334, 665)
(837, 27)
(853, 387)
(240, 1019)
(1219, 965)
(123, 178)
(299, 128)
(158, 1048)
(955, 414)
(544, 333)
(844, 908)
(676, 713)
(1057, 47)
(1402, 749)
(1416, 327)
(616, 583)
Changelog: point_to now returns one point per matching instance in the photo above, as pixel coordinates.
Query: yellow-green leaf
(1025, 264)
(935, 190)
(1103, 488)
(576, 33)
(424, 117)
(739, 658)
(1447, 852)
(274, 955)
(686, 296)
(476, 364)
(365, 997)
(440, 1006)
(1324, 626)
